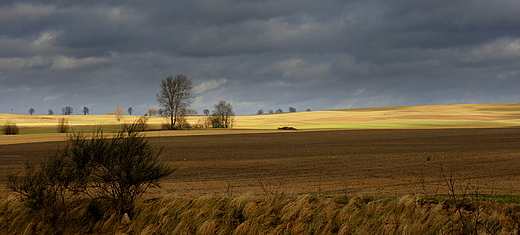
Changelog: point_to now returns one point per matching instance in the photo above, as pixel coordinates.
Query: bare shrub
(182, 123)
(120, 168)
(46, 187)
(10, 128)
(205, 122)
(63, 125)
(116, 170)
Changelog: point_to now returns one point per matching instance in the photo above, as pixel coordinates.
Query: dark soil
(342, 162)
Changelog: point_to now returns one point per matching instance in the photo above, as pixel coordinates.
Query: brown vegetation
(10, 128)
(267, 214)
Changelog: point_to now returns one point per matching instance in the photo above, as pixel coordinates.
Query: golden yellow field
(427, 116)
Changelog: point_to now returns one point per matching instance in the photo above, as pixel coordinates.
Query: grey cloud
(259, 54)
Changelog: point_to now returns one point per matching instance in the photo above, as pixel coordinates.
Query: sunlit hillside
(424, 116)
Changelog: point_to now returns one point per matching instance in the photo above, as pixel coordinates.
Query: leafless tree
(31, 111)
(119, 113)
(279, 110)
(67, 110)
(85, 110)
(51, 112)
(206, 112)
(260, 111)
(223, 115)
(130, 110)
(292, 110)
(175, 95)
(153, 112)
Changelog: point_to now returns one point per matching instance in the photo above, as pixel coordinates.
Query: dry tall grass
(280, 214)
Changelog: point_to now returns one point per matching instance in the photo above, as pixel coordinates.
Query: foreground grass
(277, 214)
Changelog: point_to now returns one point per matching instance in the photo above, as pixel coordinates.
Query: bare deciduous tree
(205, 112)
(130, 110)
(67, 110)
(260, 111)
(223, 115)
(31, 111)
(292, 110)
(85, 110)
(175, 95)
(153, 112)
(51, 112)
(119, 113)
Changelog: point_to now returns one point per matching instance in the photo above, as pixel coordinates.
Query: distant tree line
(67, 110)
(279, 110)
(174, 98)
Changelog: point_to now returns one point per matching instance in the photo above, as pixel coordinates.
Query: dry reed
(267, 214)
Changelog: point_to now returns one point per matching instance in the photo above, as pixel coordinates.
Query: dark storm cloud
(258, 54)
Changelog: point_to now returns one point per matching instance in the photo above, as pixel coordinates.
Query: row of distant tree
(174, 98)
(279, 110)
(67, 110)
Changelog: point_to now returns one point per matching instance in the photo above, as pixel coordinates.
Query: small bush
(182, 123)
(63, 125)
(10, 128)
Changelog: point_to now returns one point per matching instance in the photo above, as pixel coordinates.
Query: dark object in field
(287, 128)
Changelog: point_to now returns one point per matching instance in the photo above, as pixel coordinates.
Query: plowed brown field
(352, 162)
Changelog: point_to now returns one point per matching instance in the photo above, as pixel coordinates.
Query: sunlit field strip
(425, 116)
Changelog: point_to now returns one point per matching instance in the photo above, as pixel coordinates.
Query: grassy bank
(279, 214)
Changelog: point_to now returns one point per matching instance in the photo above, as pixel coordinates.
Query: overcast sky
(258, 54)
